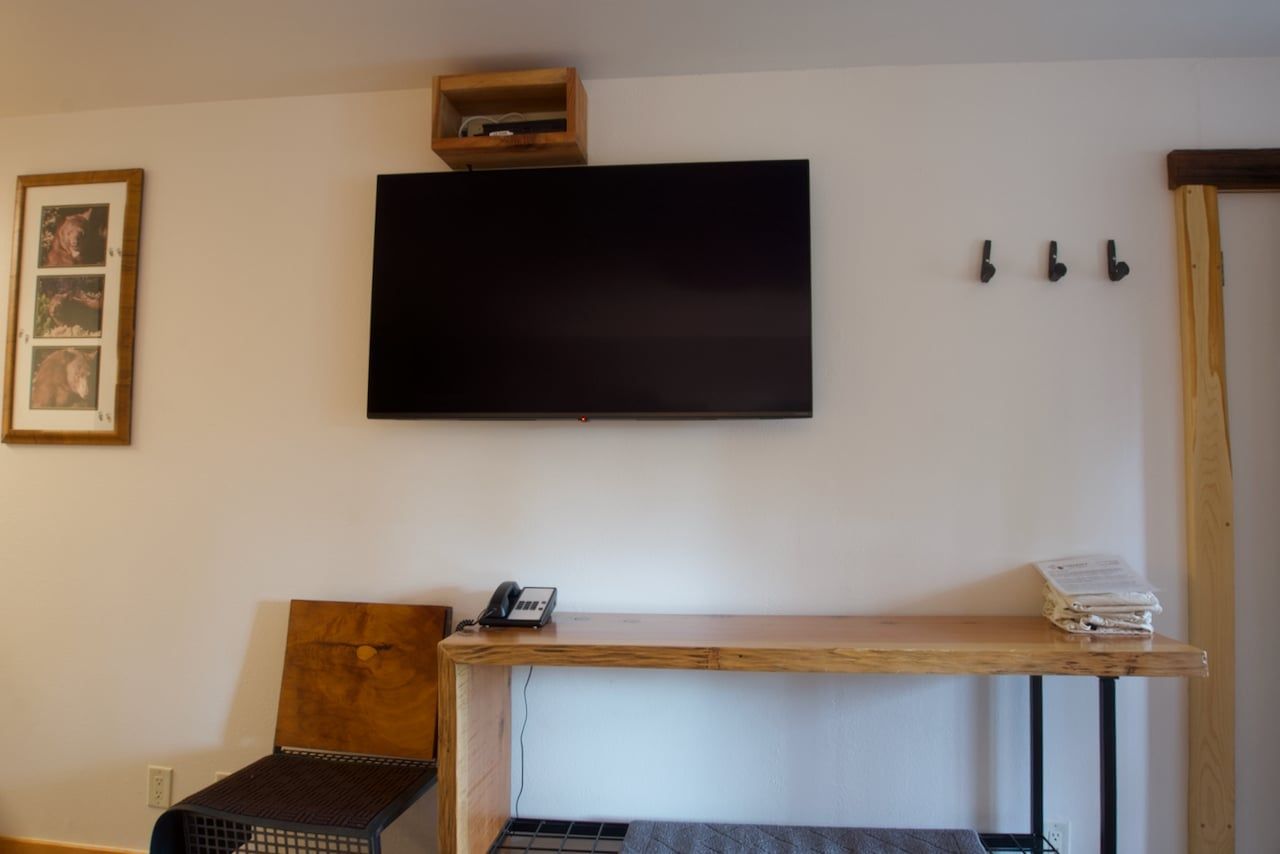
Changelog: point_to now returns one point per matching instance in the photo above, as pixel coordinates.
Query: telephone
(512, 606)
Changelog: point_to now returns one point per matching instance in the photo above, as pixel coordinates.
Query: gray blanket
(667, 837)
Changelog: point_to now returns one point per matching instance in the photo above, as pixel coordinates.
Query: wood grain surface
(22, 845)
(494, 91)
(978, 645)
(361, 678)
(475, 754)
(1210, 517)
(1226, 169)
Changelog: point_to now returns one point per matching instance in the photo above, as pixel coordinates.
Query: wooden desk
(475, 678)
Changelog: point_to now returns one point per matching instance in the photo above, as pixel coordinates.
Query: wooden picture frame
(72, 302)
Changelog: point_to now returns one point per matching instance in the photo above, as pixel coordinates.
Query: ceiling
(61, 55)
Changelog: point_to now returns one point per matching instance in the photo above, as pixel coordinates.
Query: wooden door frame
(1196, 177)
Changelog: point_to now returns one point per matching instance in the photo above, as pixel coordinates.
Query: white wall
(1251, 253)
(960, 431)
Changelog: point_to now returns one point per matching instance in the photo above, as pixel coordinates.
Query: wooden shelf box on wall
(546, 92)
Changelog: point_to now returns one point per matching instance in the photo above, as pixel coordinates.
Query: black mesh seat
(354, 675)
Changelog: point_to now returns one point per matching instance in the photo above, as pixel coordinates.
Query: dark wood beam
(1228, 169)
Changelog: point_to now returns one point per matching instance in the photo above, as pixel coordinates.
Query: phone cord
(467, 623)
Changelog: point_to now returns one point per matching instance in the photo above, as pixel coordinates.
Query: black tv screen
(665, 291)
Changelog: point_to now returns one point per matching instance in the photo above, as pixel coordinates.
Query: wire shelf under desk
(593, 837)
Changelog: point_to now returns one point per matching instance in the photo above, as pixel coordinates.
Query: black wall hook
(1056, 268)
(988, 269)
(1116, 270)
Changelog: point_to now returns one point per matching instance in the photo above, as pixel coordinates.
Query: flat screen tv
(663, 291)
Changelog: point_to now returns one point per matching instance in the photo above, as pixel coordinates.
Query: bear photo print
(72, 299)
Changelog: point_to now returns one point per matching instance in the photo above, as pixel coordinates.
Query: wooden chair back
(361, 678)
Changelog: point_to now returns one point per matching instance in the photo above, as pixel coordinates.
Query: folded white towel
(1135, 622)
(1133, 618)
(1104, 603)
(1082, 628)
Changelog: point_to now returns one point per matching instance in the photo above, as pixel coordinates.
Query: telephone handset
(512, 606)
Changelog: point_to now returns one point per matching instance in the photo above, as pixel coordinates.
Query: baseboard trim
(22, 845)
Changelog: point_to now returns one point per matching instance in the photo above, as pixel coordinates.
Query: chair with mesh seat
(355, 742)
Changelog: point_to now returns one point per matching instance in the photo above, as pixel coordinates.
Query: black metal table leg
(1107, 769)
(1037, 763)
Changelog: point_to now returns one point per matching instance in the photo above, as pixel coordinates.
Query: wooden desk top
(938, 645)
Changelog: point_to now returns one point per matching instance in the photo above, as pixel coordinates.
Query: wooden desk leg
(475, 755)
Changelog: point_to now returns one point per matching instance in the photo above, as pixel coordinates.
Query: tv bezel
(584, 417)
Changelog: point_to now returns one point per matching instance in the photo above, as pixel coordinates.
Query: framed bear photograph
(72, 297)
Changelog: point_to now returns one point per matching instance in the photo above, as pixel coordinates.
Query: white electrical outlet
(1059, 835)
(159, 786)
